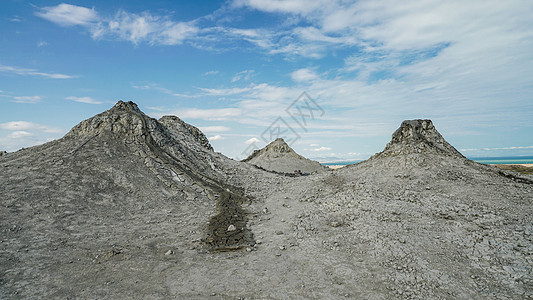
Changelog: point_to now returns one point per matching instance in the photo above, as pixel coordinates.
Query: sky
(334, 78)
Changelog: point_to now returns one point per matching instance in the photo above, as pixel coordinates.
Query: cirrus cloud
(87, 100)
(214, 129)
(28, 126)
(26, 99)
(33, 72)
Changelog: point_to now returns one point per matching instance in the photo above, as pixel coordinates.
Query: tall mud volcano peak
(417, 136)
(275, 149)
(123, 118)
(127, 120)
(280, 157)
(279, 146)
(126, 106)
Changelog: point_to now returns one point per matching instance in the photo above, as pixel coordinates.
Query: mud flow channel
(227, 229)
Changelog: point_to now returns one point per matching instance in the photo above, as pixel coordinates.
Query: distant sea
(504, 160)
(484, 160)
(341, 163)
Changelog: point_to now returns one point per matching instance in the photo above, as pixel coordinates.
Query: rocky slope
(280, 157)
(126, 206)
(118, 187)
(423, 221)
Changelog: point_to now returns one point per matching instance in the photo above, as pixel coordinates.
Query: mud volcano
(129, 207)
(417, 136)
(280, 157)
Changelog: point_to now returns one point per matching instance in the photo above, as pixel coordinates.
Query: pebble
(335, 224)
(169, 252)
(232, 228)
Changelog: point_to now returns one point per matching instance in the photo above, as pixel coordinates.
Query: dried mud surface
(127, 207)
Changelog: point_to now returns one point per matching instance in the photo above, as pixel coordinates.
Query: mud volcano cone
(280, 157)
(117, 163)
(417, 137)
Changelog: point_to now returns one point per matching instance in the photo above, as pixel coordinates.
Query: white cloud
(243, 75)
(152, 86)
(252, 141)
(248, 33)
(303, 75)
(214, 129)
(162, 30)
(357, 154)
(42, 44)
(186, 95)
(87, 100)
(176, 33)
(224, 92)
(33, 72)
(498, 148)
(216, 138)
(302, 7)
(205, 114)
(157, 87)
(28, 126)
(124, 25)
(320, 26)
(205, 91)
(320, 149)
(314, 34)
(157, 108)
(26, 99)
(19, 134)
(260, 37)
(210, 73)
(142, 87)
(69, 15)
(15, 19)
(25, 134)
(382, 24)
(133, 27)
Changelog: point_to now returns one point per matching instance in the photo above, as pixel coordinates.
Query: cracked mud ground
(125, 206)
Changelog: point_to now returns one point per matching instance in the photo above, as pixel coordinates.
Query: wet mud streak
(221, 235)
(229, 209)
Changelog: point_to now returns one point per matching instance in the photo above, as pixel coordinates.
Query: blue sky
(237, 70)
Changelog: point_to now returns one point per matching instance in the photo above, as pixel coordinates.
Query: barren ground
(115, 216)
